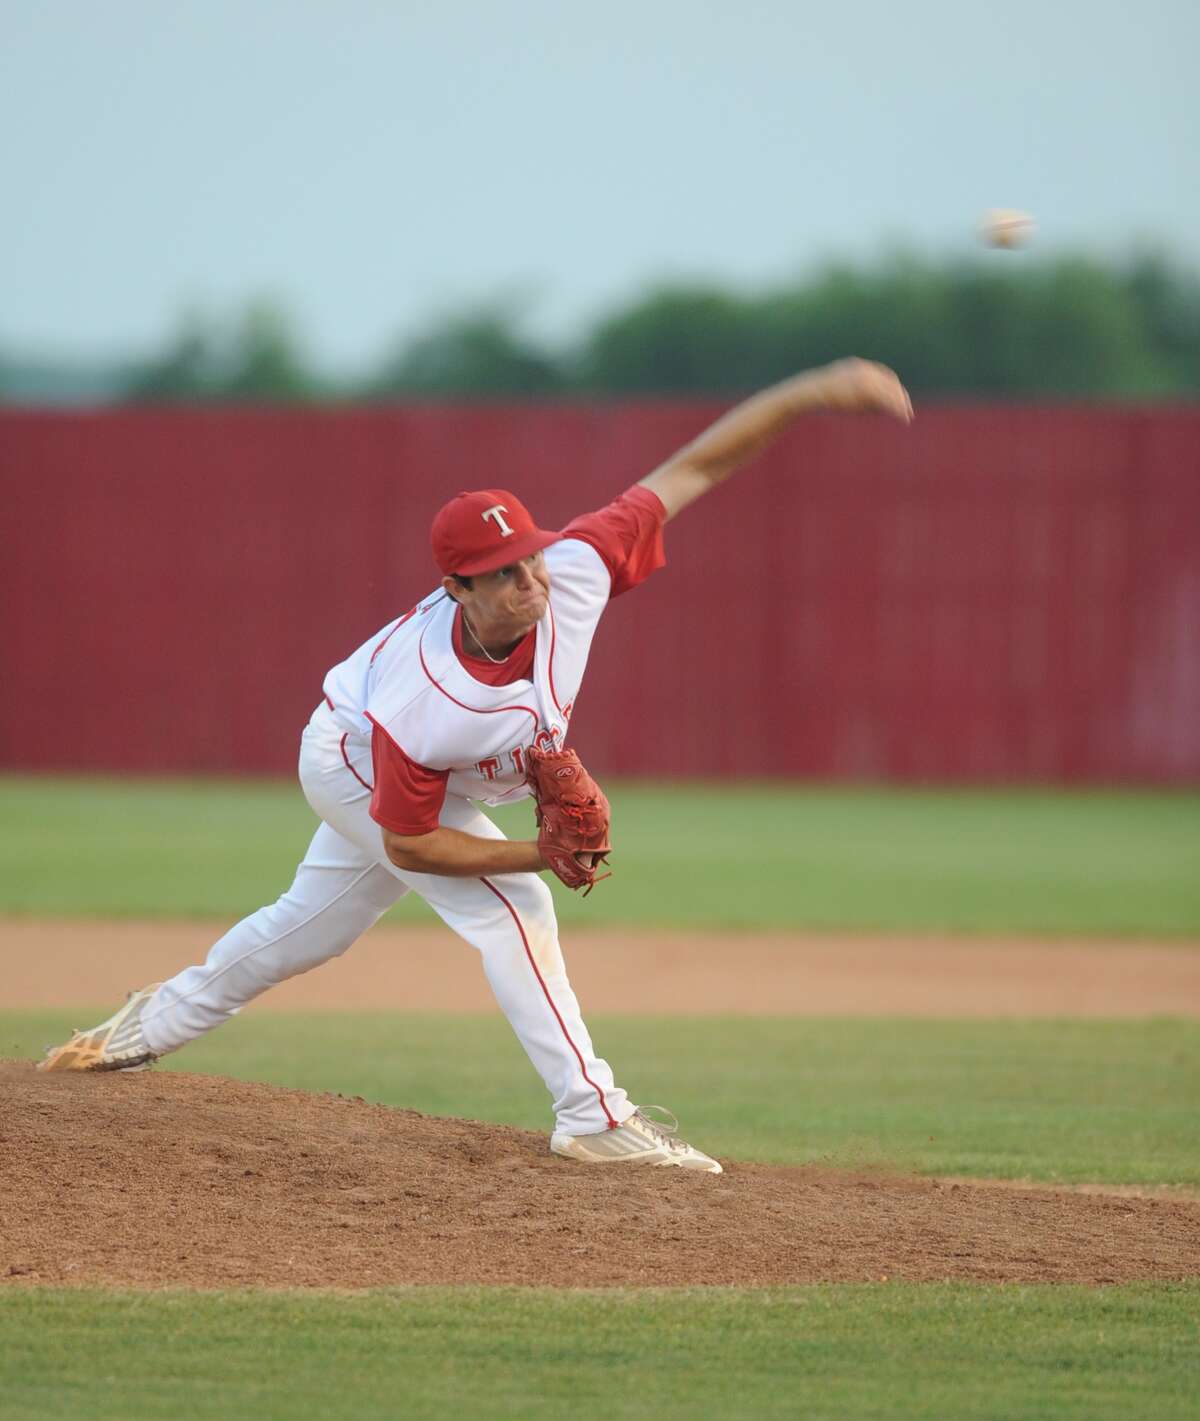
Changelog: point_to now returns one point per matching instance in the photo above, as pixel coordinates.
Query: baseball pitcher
(466, 700)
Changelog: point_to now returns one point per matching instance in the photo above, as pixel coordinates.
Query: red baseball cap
(481, 531)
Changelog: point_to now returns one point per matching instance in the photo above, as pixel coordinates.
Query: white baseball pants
(344, 885)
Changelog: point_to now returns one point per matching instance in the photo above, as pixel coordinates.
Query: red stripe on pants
(612, 1124)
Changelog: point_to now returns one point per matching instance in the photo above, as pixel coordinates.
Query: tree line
(1001, 327)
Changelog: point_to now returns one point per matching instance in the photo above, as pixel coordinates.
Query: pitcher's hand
(863, 387)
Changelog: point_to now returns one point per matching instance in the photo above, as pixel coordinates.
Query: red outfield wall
(990, 595)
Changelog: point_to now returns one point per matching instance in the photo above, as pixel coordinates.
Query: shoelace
(663, 1133)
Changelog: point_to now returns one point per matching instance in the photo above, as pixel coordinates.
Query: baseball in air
(1004, 227)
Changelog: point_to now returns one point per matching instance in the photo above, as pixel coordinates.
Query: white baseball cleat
(638, 1140)
(115, 1045)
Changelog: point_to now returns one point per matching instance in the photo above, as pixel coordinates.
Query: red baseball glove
(572, 816)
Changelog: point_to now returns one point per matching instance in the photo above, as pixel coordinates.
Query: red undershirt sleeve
(628, 535)
(407, 798)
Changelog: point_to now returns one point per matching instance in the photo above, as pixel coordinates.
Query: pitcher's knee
(531, 899)
(291, 932)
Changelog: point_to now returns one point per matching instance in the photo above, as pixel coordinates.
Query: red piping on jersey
(351, 768)
(408, 616)
(329, 703)
(612, 1123)
(550, 667)
(478, 710)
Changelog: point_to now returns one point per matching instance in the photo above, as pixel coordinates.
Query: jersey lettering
(497, 511)
(490, 768)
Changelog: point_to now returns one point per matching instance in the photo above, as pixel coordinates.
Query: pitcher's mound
(163, 1178)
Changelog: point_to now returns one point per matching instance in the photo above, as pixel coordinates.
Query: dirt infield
(77, 963)
(168, 1179)
(158, 1179)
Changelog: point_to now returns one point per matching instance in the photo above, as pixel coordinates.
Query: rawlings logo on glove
(572, 817)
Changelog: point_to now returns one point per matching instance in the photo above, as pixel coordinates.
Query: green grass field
(1028, 861)
(1103, 1101)
(865, 1352)
(1069, 1101)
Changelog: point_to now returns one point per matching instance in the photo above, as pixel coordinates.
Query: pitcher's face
(506, 603)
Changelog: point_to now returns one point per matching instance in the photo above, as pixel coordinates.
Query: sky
(374, 166)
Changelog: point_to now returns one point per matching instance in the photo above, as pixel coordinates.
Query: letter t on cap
(496, 512)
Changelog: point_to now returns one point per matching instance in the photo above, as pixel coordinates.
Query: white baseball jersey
(442, 722)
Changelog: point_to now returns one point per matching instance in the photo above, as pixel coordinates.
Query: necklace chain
(495, 660)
